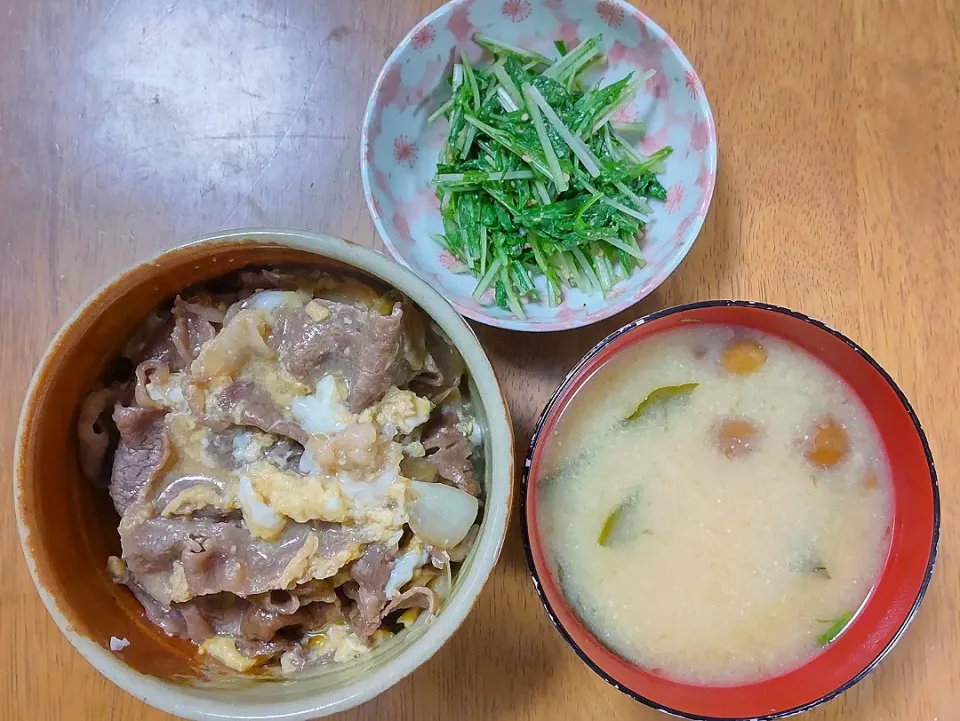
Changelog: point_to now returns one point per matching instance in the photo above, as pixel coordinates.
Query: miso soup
(715, 504)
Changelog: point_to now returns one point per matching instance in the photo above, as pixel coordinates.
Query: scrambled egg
(270, 300)
(302, 498)
(116, 567)
(317, 312)
(169, 393)
(413, 556)
(389, 511)
(240, 341)
(250, 445)
(379, 498)
(340, 640)
(283, 388)
(191, 500)
(189, 438)
(324, 411)
(260, 518)
(179, 588)
(409, 616)
(225, 651)
(398, 412)
(306, 565)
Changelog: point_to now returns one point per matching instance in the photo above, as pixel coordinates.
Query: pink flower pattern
(683, 227)
(626, 114)
(610, 13)
(447, 260)
(699, 135)
(402, 225)
(690, 80)
(390, 86)
(704, 178)
(459, 23)
(405, 151)
(423, 38)
(516, 10)
(618, 52)
(675, 195)
(657, 85)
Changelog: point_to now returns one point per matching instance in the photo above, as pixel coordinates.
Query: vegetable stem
(836, 628)
(549, 153)
(487, 279)
(590, 162)
(508, 85)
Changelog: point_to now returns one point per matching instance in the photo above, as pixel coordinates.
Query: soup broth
(714, 504)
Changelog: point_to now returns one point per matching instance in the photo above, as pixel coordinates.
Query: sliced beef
(309, 349)
(245, 403)
(285, 455)
(318, 590)
(372, 351)
(380, 362)
(217, 556)
(208, 616)
(198, 626)
(449, 450)
(238, 342)
(369, 575)
(267, 279)
(170, 620)
(253, 622)
(173, 488)
(93, 434)
(208, 307)
(153, 340)
(443, 367)
(458, 553)
(147, 371)
(142, 451)
(220, 447)
(192, 328)
(261, 622)
(416, 597)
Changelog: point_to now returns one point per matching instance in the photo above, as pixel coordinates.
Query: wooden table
(127, 127)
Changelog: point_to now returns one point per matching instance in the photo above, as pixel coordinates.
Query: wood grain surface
(127, 127)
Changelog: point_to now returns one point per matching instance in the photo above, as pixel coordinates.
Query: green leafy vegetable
(821, 570)
(613, 526)
(836, 628)
(538, 191)
(659, 396)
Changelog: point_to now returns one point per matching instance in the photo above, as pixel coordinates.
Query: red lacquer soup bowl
(913, 532)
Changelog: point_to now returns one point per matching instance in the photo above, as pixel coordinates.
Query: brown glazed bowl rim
(195, 701)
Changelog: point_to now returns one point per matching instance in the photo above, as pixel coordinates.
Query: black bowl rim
(765, 307)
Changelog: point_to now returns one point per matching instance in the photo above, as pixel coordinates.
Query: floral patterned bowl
(399, 149)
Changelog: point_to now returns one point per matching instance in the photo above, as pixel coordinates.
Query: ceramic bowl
(400, 150)
(913, 531)
(67, 529)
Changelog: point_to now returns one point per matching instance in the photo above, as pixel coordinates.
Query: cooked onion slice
(441, 515)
